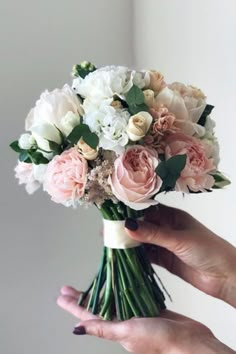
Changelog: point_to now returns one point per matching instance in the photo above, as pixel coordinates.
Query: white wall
(43, 245)
(194, 42)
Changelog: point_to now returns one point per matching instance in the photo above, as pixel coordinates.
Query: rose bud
(138, 125)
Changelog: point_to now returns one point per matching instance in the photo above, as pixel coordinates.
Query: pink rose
(66, 177)
(134, 180)
(195, 175)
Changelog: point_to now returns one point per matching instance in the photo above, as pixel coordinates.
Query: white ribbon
(115, 235)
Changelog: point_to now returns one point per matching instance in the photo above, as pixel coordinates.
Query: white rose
(26, 141)
(88, 152)
(187, 110)
(139, 125)
(50, 109)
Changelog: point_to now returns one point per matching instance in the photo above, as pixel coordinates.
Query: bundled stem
(125, 285)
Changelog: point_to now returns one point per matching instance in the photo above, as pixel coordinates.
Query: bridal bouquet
(117, 139)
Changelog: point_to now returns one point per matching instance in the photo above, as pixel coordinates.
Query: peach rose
(66, 177)
(156, 81)
(195, 176)
(134, 180)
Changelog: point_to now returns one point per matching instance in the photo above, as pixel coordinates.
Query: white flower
(140, 78)
(110, 125)
(69, 122)
(139, 125)
(43, 133)
(26, 141)
(31, 175)
(50, 110)
(104, 83)
(186, 107)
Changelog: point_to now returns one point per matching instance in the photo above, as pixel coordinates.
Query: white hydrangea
(110, 125)
(108, 81)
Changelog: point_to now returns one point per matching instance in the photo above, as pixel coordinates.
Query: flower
(195, 175)
(104, 83)
(134, 180)
(26, 141)
(66, 177)
(138, 125)
(156, 81)
(149, 98)
(69, 122)
(47, 118)
(31, 175)
(186, 105)
(163, 120)
(88, 152)
(110, 126)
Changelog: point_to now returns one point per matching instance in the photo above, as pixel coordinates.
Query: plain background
(43, 245)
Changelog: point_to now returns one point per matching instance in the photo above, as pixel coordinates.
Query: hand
(188, 249)
(170, 333)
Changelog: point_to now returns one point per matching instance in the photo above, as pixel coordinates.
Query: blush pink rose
(66, 177)
(134, 180)
(195, 176)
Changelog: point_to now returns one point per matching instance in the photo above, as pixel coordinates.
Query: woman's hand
(188, 249)
(169, 334)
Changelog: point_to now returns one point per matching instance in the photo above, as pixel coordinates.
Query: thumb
(102, 329)
(146, 232)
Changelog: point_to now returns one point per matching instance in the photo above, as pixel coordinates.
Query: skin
(178, 242)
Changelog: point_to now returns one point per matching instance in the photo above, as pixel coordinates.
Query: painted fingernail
(131, 224)
(79, 331)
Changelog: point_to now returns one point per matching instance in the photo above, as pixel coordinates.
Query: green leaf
(135, 96)
(79, 131)
(134, 109)
(169, 171)
(220, 180)
(15, 146)
(176, 164)
(54, 146)
(83, 69)
(207, 111)
(23, 155)
(37, 158)
(91, 139)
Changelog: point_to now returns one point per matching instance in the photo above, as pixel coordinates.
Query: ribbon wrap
(115, 235)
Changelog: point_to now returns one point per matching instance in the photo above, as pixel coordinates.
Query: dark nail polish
(79, 331)
(131, 224)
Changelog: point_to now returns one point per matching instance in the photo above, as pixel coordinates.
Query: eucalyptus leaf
(91, 139)
(15, 146)
(169, 171)
(134, 109)
(23, 156)
(37, 158)
(135, 96)
(79, 131)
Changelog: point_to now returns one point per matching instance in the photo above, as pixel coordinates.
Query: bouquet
(117, 139)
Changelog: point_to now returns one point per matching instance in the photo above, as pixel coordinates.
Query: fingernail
(131, 224)
(79, 331)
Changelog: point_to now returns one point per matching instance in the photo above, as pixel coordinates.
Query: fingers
(70, 304)
(68, 290)
(103, 329)
(146, 232)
